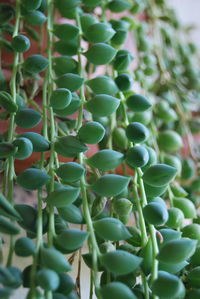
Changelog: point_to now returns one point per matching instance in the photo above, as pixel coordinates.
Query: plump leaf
(91, 132)
(35, 63)
(100, 53)
(120, 262)
(47, 279)
(177, 251)
(155, 213)
(111, 229)
(60, 98)
(137, 156)
(40, 144)
(6, 101)
(24, 148)
(7, 209)
(159, 175)
(117, 290)
(103, 105)
(70, 81)
(72, 214)
(70, 171)
(69, 146)
(106, 159)
(24, 247)
(169, 141)
(32, 178)
(64, 31)
(138, 103)
(99, 32)
(8, 227)
(186, 206)
(103, 85)
(168, 286)
(62, 197)
(72, 239)
(27, 118)
(110, 185)
(53, 259)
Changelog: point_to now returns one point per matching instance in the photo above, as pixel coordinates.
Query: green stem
(9, 171)
(152, 230)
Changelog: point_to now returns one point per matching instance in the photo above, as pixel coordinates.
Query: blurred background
(188, 13)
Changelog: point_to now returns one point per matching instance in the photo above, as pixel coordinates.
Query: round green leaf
(24, 148)
(106, 159)
(103, 85)
(119, 5)
(193, 277)
(137, 132)
(117, 290)
(20, 43)
(70, 81)
(70, 171)
(168, 286)
(103, 105)
(110, 185)
(91, 132)
(35, 17)
(64, 31)
(186, 206)
(32, 178)
(6, 208)
(60, 98)
(31, 5)
(154, 191)
(100, 54)
(72, 239)
(177, 251)
(159, 175)
(53, 259)
(69, 146)
(64, 64)
(40, 144)
(111, 229)
(35, 63)
(99, 32)
(62, 197)
(155, 213)
(192, 231)
(7, 103)
(27, 118)
(138, 103)
(120, 262)
(176, 218)
(169, 141)
(24, 247)
(72, 214)
(124, 81)
(137, 156)
(47, 279)
(8, 227)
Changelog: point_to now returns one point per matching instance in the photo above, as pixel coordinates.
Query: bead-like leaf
(62, 197)
(177, 251)
(69, 146)
(120, 262)
(106, 159)
(110, 185)
(111, 229)
(159, 175)
(32, 178)
(103, 105)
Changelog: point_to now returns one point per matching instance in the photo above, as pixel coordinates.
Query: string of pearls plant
(99, 104)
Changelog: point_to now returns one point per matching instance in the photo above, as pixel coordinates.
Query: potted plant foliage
(98, 115)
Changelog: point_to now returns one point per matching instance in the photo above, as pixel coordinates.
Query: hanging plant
(98, 114)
